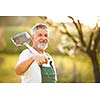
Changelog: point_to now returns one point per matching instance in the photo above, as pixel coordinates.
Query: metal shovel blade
(21, 38)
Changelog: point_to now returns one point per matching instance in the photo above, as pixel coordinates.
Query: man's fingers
(41, 59)
(46, 60)
(40, 62)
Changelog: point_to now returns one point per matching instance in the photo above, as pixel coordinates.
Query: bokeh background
(74, 45)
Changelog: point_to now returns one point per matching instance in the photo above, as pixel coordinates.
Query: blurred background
(74, 45)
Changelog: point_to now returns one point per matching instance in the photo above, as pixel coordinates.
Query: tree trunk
(95, 66)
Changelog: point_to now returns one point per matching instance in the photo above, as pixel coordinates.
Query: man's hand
(41, 59)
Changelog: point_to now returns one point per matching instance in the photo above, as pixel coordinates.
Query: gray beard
(42, 46)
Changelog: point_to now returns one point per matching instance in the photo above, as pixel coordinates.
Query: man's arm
(23, 67)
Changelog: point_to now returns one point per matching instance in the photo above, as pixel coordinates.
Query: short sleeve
(24, 56)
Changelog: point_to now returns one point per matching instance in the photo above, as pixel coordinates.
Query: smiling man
(37, 68)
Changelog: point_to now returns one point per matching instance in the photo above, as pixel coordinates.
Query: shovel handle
(31, 49)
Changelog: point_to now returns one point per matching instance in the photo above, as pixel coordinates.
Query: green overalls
(48, 74)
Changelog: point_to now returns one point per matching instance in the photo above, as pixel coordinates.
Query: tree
(87, 44)
(89, 47)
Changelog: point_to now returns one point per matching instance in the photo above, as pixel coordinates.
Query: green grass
(65, 66)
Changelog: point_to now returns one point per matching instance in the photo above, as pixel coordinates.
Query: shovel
(23, 39)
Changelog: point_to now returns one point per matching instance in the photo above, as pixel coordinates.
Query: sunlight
(87, 20)
(90, 20)
(59, 19)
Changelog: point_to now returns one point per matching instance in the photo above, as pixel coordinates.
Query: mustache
(43, 41)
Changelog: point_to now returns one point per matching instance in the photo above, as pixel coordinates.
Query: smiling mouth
(43, 41)
(42, 46)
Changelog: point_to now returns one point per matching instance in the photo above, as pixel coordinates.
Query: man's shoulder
(26, 51)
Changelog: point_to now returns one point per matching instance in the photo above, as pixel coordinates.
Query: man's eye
(46, 35)
(40, 35)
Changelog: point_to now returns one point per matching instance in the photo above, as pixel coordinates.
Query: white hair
(37, 26)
